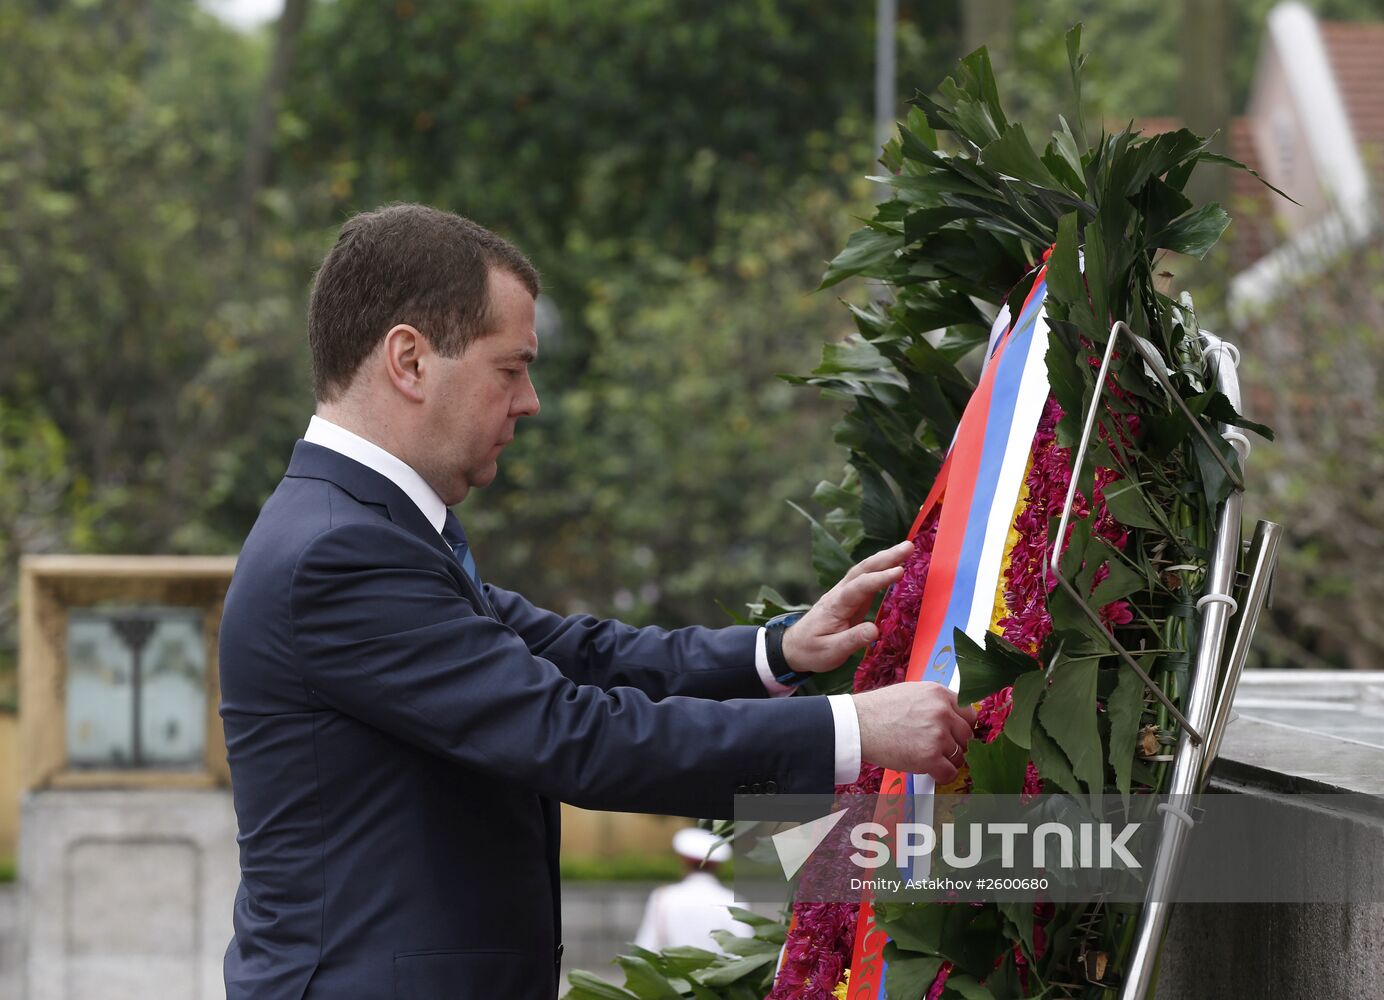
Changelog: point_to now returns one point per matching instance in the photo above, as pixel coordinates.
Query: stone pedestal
(1273, 951)
(1296, 731)
(126, 894)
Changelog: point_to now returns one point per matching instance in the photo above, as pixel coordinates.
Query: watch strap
(774, 629)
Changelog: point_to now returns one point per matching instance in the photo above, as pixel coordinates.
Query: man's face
(481, 395)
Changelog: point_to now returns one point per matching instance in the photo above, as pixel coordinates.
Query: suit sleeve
(382, 633)
(696, 661)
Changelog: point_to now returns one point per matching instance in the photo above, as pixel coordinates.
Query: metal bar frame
(1262, 557)
(1209, 699)
(1213, 690)
(1155, 365)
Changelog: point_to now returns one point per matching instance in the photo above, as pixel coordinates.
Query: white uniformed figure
(687, 912)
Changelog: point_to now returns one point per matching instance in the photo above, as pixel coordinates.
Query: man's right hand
(914, 726)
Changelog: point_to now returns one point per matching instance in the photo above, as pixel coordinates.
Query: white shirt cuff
(843, 716)
(847, 737)
(761, 663)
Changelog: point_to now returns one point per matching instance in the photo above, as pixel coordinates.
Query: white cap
(697, 844)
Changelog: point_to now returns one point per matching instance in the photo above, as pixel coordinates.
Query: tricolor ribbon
(978, 487)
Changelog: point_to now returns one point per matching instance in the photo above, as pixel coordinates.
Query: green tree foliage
(159, 360)
(629, 121)
(38, 508)
(652, 483)
(131, 323)
(150, 366)
(1137, 69)
(676, 170)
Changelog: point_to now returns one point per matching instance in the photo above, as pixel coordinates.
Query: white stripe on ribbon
(1028, 410)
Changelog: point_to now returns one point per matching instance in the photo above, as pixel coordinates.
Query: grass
(7, 870)
(9, 684)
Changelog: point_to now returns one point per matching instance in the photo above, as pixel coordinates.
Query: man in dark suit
(400, 733)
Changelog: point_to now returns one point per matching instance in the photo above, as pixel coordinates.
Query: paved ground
(598, 921)
(9, 941)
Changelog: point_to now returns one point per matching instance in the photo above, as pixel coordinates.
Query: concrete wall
(587, 834)
(11, 942)
(1284, 951)
(126, 895)
(1273, 951)
(1297, 731)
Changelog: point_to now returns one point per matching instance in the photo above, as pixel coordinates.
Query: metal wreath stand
(1237, 588)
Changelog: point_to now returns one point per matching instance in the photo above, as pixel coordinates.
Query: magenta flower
(934, 991)
(1116, 613)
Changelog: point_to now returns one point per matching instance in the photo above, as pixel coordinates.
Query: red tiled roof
(1356, 52)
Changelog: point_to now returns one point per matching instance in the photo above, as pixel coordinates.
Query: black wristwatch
(773, 649)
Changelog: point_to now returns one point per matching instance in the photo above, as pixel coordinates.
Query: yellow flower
(1001, 610)
(843, 986)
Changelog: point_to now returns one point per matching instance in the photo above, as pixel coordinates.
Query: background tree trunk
(1204, 96)
(259, 146)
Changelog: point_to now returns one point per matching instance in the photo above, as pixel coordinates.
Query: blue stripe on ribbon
(996, 444)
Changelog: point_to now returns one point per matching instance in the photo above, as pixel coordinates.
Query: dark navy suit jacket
(396, 755)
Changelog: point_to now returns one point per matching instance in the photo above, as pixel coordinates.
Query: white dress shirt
(329, 435)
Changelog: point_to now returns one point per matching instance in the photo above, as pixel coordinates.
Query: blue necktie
(454, 536)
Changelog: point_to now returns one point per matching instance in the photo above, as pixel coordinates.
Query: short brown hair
(403, 264)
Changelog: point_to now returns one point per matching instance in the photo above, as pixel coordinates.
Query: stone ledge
(1306, 731)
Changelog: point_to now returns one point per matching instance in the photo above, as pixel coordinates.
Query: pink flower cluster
(934, 992)
(817, 952)
(822, 936)
(1027, 623)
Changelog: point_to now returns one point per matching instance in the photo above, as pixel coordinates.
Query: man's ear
(404, 352)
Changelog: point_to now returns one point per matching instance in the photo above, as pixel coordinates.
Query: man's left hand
(833, 628)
